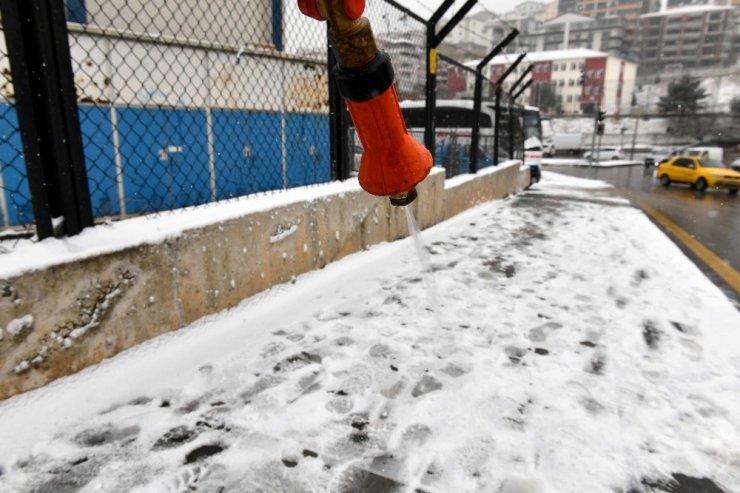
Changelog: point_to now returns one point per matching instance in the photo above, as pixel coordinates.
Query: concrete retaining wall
(59, 320)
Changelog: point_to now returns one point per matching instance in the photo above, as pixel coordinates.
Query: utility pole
(638, 113)
(593, 136)
(598, 130)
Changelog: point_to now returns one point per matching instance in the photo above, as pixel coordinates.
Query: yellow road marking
(722, 268)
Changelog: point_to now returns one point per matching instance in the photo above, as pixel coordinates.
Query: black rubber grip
(365, 83)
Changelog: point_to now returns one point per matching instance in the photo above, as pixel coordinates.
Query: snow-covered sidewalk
(576, 161)
(557, 342)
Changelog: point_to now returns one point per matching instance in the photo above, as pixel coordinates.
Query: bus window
(532, 124)
(445, 117)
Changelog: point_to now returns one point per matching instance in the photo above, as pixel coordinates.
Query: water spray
(393, 162)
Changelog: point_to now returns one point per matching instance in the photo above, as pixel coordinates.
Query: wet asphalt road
(712, 218)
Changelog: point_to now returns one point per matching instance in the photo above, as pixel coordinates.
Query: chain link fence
(186, 103)
(404, 39)
(454, 114)
(15, 198)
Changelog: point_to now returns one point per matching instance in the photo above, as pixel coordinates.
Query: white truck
(713, 153)
(566, 143)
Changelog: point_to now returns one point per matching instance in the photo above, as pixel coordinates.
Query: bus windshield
(532, 124)
(445, 117)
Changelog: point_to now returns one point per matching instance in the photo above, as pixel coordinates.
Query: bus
(453, 132)
(533, 141)
(532, 123)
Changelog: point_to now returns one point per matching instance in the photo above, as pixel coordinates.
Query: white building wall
(216, 21)
(609, 101)
(628, 89)
(566, 78)
(469, 30)
(214, 79)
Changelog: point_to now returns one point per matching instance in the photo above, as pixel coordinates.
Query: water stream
(442, 338)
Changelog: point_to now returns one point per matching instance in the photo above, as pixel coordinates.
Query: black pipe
(496, 124)
(478, 98)
(48, 120)
(520, 79)
(433, 41)
(524, 88)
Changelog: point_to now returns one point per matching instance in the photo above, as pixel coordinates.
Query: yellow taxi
(700, 173)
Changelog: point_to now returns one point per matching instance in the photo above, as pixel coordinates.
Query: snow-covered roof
(566, 18)
(457, 103)
(542, 56)
(689, 9)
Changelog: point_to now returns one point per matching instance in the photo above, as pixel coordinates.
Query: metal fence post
(514, 95)
(433, 41)
(496, 125)
(477, 103)
(46, 101)
(338, 125)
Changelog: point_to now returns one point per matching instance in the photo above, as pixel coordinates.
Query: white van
(713, 153)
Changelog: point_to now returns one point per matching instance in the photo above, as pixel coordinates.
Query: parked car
(663, 155)
(699, 173)
(605, 153)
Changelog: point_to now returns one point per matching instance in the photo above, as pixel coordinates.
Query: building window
(571, 83)
(573, 66)
(561, 83)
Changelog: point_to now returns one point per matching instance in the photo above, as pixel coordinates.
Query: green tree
(684, 97)
(735, 107)
(546, 98)
(681, 106)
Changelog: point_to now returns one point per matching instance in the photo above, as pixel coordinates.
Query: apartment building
(407, 51)
(570, 31)
(694, 36)
(608, 81)
(629, 11)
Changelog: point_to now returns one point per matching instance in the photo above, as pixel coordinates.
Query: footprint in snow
(691, 349)
(651, 334)
(106, 435)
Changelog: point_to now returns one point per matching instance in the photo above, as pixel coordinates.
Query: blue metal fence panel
(13, 168)
(248, 152)
(165, 158)
(97, 142)
(308, 152)
(187, 131)
(143, 136)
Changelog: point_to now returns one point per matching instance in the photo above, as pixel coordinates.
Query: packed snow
(607, 163)
(557, 341)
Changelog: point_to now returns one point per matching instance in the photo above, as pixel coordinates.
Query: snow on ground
(557, 342)
(612, 163)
